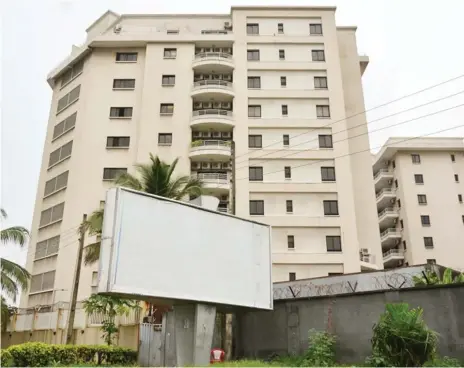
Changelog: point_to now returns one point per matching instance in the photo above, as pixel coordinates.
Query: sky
(411, 45)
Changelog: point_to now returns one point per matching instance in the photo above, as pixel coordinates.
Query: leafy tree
(109, 307)
(433, 278)
(155, 177)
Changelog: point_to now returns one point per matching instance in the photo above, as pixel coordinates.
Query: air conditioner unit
(216, 134)
(226, 105)
(226, 134)
(196, 134)
(196, 166)
(217, 105)
(227, 77)
(207, 105)
(205, 165)
(216, 165)
(197, 105)
(366, 259)
(205, 134)
(365, 251)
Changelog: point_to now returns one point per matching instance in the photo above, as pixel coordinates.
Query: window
(170, 53)
(460, 198)
(254, 82)
(456, 178)
(396, 183)
(111, 173)
(257, 207)
(166, 109)
(72, 73)
(333, 243)
(284, 110)
(255, 173)
(289, 206)
(425, 220)
(288, 172)
(253, 55)
(431, 261)
(252, 29)
(291, 276)
(42, 282)
(68, 99)
(172, 31)
(453, 158)
(122, 142)
(55, 184)
(428, 242)
(402, 224)
(51, 215)
(254, 111)
(325, 141)
(422, 199)
(328, 173)
(121, 112)
(130, 57)
(291, 241)
(320, 82)
(419, 178)
(315, 29)
(60, 154)
(415, 158)
(323, 111)
(399, 203)
(394, 164)
(255, 141)
(286, 139)
(280, 28)
(168, 80)
(47, 247)
(283, 81)
(334, 273)
(404, 244)
(123, 83)
(318, 55)
(65, 126)
(462, 219)
(165, 138)
(281, 54)
(330, 208)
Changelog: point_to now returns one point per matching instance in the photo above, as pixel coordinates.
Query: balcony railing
(385, 191)
(212, 112)
(223, 209)
(393, 252)
(212, 82)
(219, 55)
(389, 232)
(214, 31)
(218, 177)
(388, 210)
(382, 171)
(210, 143)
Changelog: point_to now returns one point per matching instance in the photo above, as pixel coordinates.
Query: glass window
(315, 29)
(333, 243)
(323, 111)
(126, 56)
(121, 112)
(254, 82)
(165, 138)
(111, 173)
(325, 141)
(328, 173)
(281, 54)
(118, 142)
(255, 141)
(320, 82)
(284, 110)
(288, 172)
(124, 83)
(170, 53)
(425, 220)
(252, 29)
(291, 241)
(168, 80)
(280, 28)
(415, 159)
(422, 199)
(257, 207)
(428, 242)
(318, 55)
(330, 208)
(286, 139)
(289, 206)
(167, 108)
(253, 55)
(419, 178)
(283, 81)
(255, 173)
(254, 111)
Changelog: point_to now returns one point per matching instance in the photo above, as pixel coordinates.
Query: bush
(402, 339)
(6, 358)
(443, 362)
(321, 350)
(36, 354)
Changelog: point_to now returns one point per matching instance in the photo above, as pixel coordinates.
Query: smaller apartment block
(419, 186)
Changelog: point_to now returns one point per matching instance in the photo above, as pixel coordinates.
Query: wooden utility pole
(75, 289)
(228, 338)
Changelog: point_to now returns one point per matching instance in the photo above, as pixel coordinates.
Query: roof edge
(101, 17)
(264, 7)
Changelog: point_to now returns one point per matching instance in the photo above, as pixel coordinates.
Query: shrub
(321, 350)
(36, 354)
(401, 337)
(443, 362)
(6, 358)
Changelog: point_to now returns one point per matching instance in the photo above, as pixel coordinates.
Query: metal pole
(75, 289)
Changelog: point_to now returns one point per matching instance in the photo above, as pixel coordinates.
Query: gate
(150, 345)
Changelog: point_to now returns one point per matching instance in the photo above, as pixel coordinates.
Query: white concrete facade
(420, 190)
(209, 55)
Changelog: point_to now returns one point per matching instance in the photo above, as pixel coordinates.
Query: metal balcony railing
(393, 252)
(385, 191)
(212, 83)
(212, 112)
(205, 55)
(382, 171)
(218, 177)
(390, 231)
(223, 209)
(210, 144)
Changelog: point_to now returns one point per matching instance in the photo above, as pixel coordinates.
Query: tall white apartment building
(420, 189)
(278, 82)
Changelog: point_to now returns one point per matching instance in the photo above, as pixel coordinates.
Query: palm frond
(92, 253)
(94, 222)
(128, 181)
(5, 314)
(18, 273)
(15, 234)
(9, 287)
(3, 213)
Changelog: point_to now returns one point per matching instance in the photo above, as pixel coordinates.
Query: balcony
(390, 237)
(219, 61)
(383, 179)
(388, 218)
(214, 182)
(210, 89)
(368, 262)
(392, 258)
(215, 150)
(385, 198)
(212, 118)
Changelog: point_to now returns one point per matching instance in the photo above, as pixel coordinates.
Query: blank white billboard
(160, 249)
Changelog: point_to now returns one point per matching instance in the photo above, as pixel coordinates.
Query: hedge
(37, 354)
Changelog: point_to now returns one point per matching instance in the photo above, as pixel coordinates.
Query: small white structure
(215, 260)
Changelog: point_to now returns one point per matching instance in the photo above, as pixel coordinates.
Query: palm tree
(157, 178)
(431, 277)
(13, 276)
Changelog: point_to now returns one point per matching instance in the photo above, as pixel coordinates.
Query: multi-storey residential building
(278, 82)
(420, 188)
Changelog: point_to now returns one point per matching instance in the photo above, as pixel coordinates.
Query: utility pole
(75, 289)
(228, 338)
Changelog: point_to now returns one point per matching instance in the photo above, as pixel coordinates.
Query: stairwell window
(164, 139)
(320, 82)
(255, 173)
(257, 207)
(325, 141)
(123, 83)
(60, 154)
(255, 141)
(253, 55)
(284, 110)
(72, 73)
(328, 173)
(460, 198)
(291, 241)
(280, 28)
(120, 112)
(170, 53)
(422, 199)
(47, 247)
(425, 220)
(315, 29)
(286, 140)
(252, 28)
(318, 55)
(56, 184)
(415, 158)
(333, 243)
(283, 81)
(323, 111)
(117, 142)
(65, 126)
(126, 57)
(42, 282)
(166, 109)
(68, 99)
(330, 208)
(281, 54)
(254, 111)
(51, 215)
(418, 178)
(288, 172)
(453, 158)
(456, 178)
(112, 173)
(428, 242)
(289, 206)
(254, 82)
